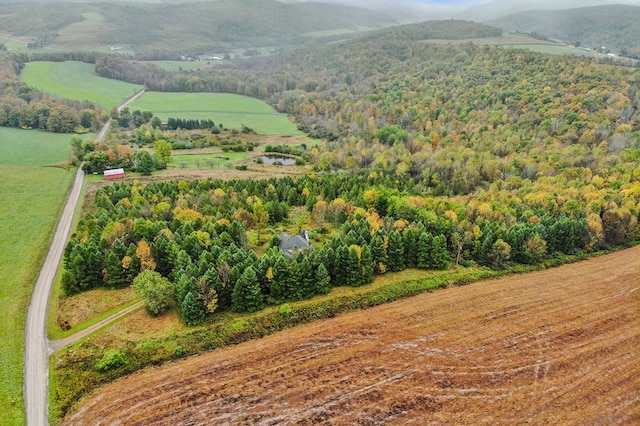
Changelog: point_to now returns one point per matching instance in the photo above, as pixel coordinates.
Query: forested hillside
(616, 27)
(457, 118)
(503, 154)
(171, 30)
(430, 155)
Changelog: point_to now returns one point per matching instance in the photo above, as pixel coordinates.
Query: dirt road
(56, 345)
(37, 351)
(560, 346)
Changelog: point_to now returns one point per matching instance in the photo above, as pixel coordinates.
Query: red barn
(114, 173)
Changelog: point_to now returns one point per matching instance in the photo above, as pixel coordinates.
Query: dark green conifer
(323, 280)
(396, 252)
(247, 295)
(192, 310)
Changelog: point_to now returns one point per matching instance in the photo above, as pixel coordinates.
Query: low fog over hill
(477, 10)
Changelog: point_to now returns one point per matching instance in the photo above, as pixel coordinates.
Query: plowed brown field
(560, 346)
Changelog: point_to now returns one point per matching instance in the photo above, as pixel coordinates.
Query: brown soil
(560, 346)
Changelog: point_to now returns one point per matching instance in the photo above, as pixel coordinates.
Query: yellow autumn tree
(143, 253)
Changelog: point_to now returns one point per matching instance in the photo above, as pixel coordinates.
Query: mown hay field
(77, 80)
(559, 346)
(232, 111)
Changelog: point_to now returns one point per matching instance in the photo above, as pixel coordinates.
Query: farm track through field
(560, 346)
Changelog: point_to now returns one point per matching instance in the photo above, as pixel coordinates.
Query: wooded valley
(463, 159)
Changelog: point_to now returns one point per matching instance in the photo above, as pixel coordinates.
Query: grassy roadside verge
(62, 334)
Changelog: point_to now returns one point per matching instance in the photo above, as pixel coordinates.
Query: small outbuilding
(114, 173)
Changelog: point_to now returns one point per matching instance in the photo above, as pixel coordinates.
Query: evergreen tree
(379, 254)
(69, 284)
(246, 295)
(223, 291)
(183, 261)
(184, 285)
(277, 286)
(366, 261)
(396, 252)
(306, 279)
(410, 243)
(192, 310)
(425, 248)
(262, 268)
(293, 290)
(440, 257)
(323, 280)
(341, 265)
(131, 263)
(327, 257)
(115, 274)
(89, 265)
(351, 238)
(354, 271)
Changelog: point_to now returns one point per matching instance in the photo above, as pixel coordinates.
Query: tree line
(192, 238)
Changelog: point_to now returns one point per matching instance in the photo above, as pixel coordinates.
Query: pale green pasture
(505, 39)
(13, 45)
(84, 35)
(31, 199)
(206, 161)
(181, 65)
(553, 49)
(232, 111)
(328, 33)
(77, 80)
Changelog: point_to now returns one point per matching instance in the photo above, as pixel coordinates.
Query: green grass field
(181, 65)
(77, 80)
(206, 161)
(520, 41)
(553, 49)
(86, 35)
(231, 110)
(31, 199)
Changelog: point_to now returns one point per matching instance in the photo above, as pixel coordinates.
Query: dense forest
(193, 237)
(459, 117)
(429, 154)
(463, 154)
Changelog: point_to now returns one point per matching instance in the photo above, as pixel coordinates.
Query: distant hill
(187, 27)
(616, 27)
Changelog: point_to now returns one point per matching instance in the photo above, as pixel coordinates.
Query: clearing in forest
(233, 111)
(558, 346)
(79, 81)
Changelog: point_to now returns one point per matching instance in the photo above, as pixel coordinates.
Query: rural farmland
(386, 277)
(233, 111)
(77, 80)
(558, 346)
(29, 212)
